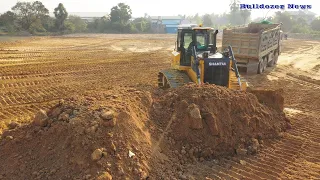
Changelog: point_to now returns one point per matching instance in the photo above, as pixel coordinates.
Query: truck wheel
(271, 63)
(275, 59)
(260, 67)
(265, 63)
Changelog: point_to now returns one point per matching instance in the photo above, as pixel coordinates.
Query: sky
(165, 7)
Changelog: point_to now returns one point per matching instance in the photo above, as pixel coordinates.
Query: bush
(133, 29)
(315, 24)
(79, 24)
(69, 28)
(300, 29)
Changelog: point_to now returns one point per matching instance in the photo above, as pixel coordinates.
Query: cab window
(202, 40)
(187, 39)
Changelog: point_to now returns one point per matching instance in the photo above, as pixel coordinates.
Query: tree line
(33, 17)
(300, 22)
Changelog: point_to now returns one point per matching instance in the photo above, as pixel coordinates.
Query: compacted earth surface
(88, 107)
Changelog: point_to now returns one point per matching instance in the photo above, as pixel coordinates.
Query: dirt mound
(84, 137)
(129, 134)
(209, 121)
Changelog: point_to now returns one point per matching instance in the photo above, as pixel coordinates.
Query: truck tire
(271, 63)
(265, 63)
(275, 58)
(260, 67)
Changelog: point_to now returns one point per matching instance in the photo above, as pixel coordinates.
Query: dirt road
(36, 73)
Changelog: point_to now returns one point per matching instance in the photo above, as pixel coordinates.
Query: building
(87, 16)
(165, 24)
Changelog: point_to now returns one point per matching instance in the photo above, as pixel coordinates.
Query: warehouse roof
(166, 17)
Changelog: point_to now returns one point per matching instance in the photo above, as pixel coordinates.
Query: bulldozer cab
(202, 38)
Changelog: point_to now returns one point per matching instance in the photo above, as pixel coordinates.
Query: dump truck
(256, 46)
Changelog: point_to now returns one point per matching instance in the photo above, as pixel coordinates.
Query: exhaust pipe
(214, 50)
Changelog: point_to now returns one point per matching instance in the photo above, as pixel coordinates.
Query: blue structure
(166, 24)
(171, 29)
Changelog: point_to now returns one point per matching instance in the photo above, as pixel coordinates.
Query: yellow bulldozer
(196, 59)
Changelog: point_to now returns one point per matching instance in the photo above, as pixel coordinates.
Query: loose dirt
(104, 76)
(93, 135)
(84, 137)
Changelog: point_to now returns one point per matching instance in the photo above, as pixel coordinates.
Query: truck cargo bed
(251, 43)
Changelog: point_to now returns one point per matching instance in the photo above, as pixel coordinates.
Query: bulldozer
(195, 59)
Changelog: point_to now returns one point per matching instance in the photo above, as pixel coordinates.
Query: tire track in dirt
(287, 158)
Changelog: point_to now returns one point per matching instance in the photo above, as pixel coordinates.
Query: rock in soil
(107, 115)
(241, 151)
(109, 123)
(242, 162)
(13, 125)
(41, 118)
(96, 155)
(64, 117)
(105, 176)
(195, 117)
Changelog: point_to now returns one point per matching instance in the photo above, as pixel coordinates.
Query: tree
(182, 16)
(234, 15)
(120, 14)
(7, 20)
(286, 19)
(206, 19)
(142, 24)
(69, 27)
(315, 24)
(61, 15)
(79, 24)
(245, 14)
(305, 16)
(195, 19)
(219, 20)
(49, 23)
(30, 14)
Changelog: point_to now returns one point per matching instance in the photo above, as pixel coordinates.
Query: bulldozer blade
(271, 98)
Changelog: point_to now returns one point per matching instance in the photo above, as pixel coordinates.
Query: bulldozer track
(174, 78)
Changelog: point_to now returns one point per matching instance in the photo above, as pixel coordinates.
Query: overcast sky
(163, 7)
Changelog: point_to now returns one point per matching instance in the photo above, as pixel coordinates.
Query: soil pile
(96, 136)
(210, 121)
(125, 133)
